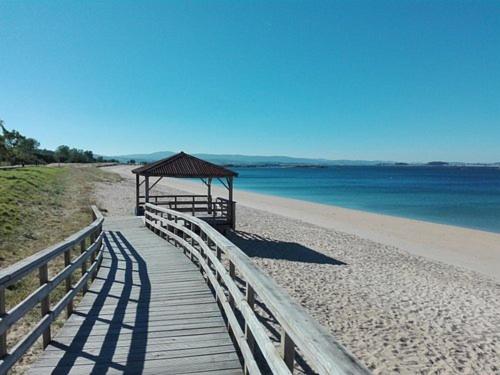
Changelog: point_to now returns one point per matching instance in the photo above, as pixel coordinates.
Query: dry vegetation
(40, 206)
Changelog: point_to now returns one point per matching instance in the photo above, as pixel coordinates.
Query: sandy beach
(404, 296)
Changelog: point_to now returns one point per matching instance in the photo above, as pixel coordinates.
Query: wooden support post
(232, 207)
(84, 267)
(43, 273)
(287, 350)
(3, 337)
(137, 192)
(146, 187)
(209, 198)
(232, 274)
(69, 283)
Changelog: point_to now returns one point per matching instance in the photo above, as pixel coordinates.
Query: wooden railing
(197, 205)
(249, 299)
(88, 259)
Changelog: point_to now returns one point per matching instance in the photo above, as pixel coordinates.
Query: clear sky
(399, 80)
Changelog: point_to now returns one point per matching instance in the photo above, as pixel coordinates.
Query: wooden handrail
(39, 261)
(299, 331)
(176, 196)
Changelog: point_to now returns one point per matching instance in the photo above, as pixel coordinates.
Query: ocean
(467, 197)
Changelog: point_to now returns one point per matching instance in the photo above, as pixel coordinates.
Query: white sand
(361, 275)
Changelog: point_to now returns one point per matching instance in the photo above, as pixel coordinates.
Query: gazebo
(219, 212)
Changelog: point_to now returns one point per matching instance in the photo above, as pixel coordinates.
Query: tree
(45, 156)
(24, 152)
(3, 148)
(89, 156)
(16, 148)
(63, 154)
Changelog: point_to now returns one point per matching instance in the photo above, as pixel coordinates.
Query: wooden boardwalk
(148, 311)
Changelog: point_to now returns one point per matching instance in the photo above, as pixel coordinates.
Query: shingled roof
(183, 165)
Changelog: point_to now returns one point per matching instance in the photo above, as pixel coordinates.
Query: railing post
(219, 256)
(250, 297)
(92, 240)
(232, 273)
(43, 273)
(184, 249)
(67, 262)
(203, 237)
(287, 350)
(233, 215)
(3, 336)
(99, 246)
(84, 266)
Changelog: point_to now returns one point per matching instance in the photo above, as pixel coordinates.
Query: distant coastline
(395, 164)
(256, 161)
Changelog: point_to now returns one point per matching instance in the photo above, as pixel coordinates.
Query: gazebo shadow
(255, 245)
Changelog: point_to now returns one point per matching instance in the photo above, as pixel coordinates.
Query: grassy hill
(40, 206)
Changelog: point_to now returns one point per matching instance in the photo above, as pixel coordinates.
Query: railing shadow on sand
(255, 245)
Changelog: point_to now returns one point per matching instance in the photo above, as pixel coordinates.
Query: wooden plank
(144, 327)
(145, 353)
(186, 366)
(171, 342)
(82, 340)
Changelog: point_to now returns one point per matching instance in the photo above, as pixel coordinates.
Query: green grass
(40, 206)
(23, 194)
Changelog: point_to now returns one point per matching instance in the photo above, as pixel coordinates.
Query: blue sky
(399, 80)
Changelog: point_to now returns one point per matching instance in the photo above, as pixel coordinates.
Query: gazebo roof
(183, 165)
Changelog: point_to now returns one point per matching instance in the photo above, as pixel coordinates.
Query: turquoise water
(468, 197)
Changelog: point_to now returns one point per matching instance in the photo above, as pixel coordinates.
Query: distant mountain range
(256, 161)
(244, 160)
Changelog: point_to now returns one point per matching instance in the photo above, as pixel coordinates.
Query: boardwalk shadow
(255, 245)
(106, 328)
